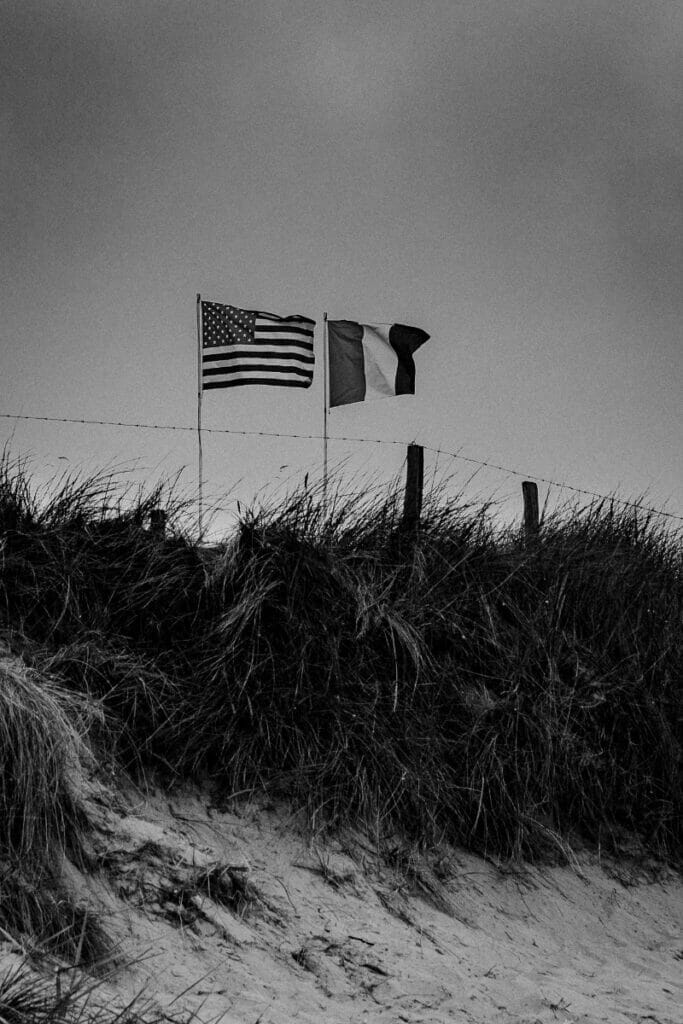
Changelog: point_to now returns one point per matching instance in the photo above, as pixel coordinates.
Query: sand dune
(247, 918)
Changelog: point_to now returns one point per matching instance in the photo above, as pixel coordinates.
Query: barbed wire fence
(480, 463)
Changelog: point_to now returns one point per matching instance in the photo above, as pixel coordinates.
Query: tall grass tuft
(27, 998)
(43, 757)
(460, 682)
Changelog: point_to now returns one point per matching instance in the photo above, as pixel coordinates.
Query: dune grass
(457, 683)
(43, 757)
(28, 998)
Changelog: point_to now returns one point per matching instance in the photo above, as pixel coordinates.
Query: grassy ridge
(457, 684)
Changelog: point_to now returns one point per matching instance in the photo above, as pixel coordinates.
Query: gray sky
(507, 175)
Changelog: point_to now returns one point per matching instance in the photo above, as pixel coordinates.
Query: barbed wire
(354, 440)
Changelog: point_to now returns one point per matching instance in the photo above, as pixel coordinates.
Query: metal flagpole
(199, 403)
(325, 409)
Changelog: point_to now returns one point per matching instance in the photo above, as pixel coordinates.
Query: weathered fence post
(530, 495)
(412, 505)
(157, 522)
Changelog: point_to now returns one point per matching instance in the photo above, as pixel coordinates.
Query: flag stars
(227, 325)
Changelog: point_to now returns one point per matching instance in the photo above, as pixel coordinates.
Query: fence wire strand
(351, 440)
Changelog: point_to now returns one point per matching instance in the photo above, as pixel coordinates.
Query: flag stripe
(250, 367)
(242, 353)
(346, 362)
(264, 329)
(304, 322)
(257, 372)
(275, 382)
(381, 362)
(297, 351)
(280, 338)
(405, 341)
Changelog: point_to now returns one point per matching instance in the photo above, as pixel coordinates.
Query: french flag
(369, 361)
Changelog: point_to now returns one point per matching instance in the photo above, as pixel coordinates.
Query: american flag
(241, 346)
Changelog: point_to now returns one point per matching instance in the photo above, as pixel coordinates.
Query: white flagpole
(325, 407)
(199, 403)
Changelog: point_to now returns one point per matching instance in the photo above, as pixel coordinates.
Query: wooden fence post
(412, 505)
(157, 522)
(530, 495)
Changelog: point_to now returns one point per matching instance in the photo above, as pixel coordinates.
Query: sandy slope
(324, 936)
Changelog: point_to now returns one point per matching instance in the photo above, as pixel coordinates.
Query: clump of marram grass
(42, 757)
(94, 595)
(41, 753)
(81, 557)
(137, 693)
(456, 682)
(28, 998)
(459, 684)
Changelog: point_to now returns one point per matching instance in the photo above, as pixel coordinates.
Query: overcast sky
(507, 175)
